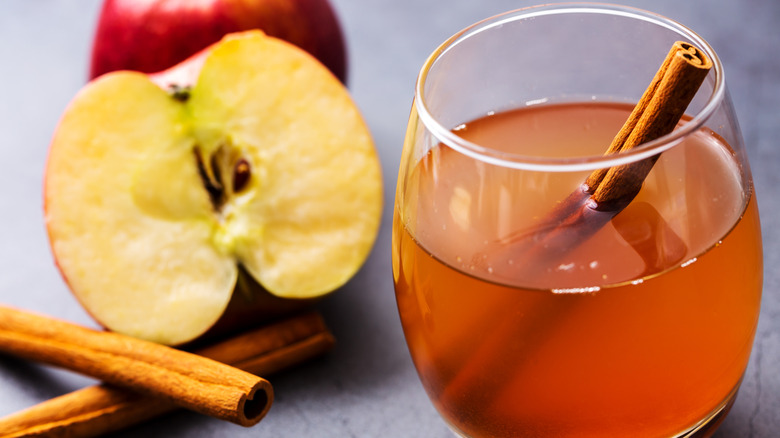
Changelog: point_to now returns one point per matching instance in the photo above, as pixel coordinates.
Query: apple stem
(178, 92)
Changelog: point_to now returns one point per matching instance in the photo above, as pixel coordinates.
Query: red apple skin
(153, 35)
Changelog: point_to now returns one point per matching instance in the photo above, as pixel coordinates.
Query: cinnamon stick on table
(101, 409)
(603, 195)
(191, 381)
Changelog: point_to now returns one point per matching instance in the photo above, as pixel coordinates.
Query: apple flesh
(153, 35)
(156, 199)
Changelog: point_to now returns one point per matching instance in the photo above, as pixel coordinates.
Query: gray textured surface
(366, 387)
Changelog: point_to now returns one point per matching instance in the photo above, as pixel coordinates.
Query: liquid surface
(642, 329)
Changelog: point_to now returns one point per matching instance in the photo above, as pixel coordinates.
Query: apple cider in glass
(644, 328)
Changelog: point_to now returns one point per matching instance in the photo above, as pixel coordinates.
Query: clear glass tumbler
(636, 322)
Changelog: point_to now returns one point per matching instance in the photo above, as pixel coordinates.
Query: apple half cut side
(155, 199)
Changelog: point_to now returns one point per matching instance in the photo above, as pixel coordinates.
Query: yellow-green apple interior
(156, 197)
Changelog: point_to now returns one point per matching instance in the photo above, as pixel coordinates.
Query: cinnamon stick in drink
(606, 192)
(188, 380)
(601, 197)
(100, 409)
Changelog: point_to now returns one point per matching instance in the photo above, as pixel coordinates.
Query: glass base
(709, 425)
(704, 429)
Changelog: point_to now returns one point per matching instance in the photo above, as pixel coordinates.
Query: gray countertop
(366, 387)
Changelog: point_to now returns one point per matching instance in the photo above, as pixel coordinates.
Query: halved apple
(156, 198)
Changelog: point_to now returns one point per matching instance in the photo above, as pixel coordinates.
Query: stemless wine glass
(643, 325)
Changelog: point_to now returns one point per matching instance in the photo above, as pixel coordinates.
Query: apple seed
(241, 173)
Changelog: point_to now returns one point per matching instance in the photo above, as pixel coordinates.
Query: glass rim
(589, 162)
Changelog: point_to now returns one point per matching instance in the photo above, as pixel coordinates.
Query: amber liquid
(644, 329)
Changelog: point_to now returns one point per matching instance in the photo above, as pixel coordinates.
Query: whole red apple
(153, 35)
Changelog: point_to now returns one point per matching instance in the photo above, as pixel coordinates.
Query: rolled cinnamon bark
(101, 409)
(188, 380)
